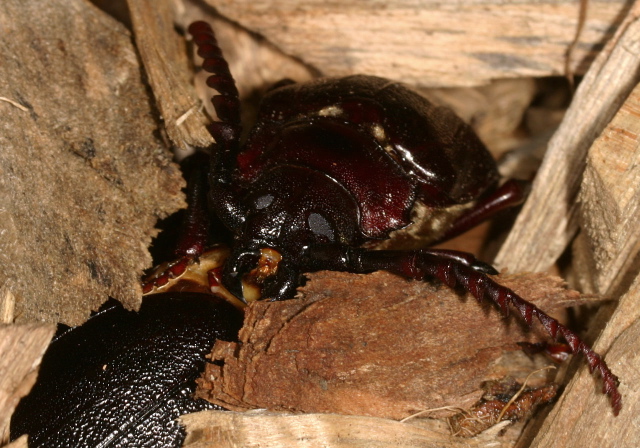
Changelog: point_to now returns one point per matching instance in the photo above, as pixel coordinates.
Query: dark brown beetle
(334, 167)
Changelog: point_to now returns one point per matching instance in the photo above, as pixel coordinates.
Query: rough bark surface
(82, 173)
(374, 345)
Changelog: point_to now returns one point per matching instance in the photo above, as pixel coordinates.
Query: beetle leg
(193, 234)
(513, 192)
(454, 271)
(223, 199)
(194, 231)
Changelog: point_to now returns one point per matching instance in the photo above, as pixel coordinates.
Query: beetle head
(251, 274)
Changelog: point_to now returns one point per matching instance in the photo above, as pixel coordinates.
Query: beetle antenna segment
(456, 269)
(226, 132)
(481, 286)
(227, 102)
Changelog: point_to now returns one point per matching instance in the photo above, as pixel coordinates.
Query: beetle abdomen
(122, 378)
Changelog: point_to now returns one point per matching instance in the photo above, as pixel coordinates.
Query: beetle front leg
(463, 272)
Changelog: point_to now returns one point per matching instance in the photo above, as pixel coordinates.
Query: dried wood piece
(21, 349)
(163, 53)
(548, 219)
(220, 429)
(373, 345)
(20, 442)
(431, 43)
(609, 206)
(83, 177)
(610, 203)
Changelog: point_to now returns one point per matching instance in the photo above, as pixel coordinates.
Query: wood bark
(374, 345)
(83, 177)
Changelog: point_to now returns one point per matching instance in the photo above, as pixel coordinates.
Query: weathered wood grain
(21, 349)
(164, 56)
(430, 42)
(610, 203)
(218, 429)
(549, 218)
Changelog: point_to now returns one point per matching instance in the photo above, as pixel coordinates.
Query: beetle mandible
(335, 167)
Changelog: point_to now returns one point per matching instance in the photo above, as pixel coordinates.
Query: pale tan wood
(21, 349)
(21, 442)
(610, 203)
(548, 220)
(220, 429)
(163, 53)
(608, 257)
(82, 176)
(430, 42)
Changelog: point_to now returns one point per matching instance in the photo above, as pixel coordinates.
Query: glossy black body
(123, 378)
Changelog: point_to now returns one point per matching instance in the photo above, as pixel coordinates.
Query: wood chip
(21, 349)
(83, 175)
(610, 209)
(431, 43)
(220, 429)
(549, 218)
(374, 345)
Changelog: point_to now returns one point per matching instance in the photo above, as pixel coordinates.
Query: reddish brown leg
(513, 192)
(194, 232)
(194, 229)
(458, 270)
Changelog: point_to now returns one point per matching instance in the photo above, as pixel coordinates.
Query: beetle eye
(320, 226)
(264, 201)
